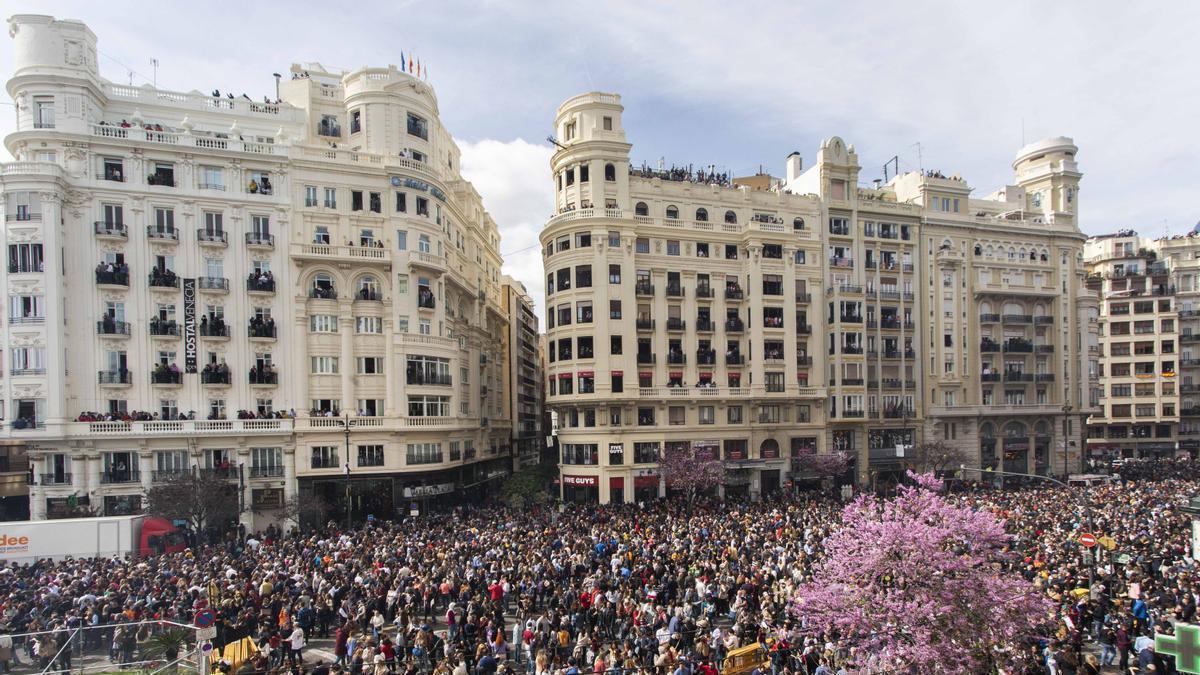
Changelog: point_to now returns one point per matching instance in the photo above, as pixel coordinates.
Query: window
(583, 276)
(356, 200)
(417, 126)
(43, 112)
(323, 365)
(368, 324)
(583, 311)
(422, 206)
(323, 323)
(614, 309)
(355, 121)
(708, 414)
(370, 455)
(330, 198)
(370, 365)
(614, 344)
(643, 245)
(672, 247)
(24, 258)
(325, 457)
(428, 406)
(212, 178)
(735, 414)
(428, 370)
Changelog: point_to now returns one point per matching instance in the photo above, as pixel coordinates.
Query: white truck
(104, 537)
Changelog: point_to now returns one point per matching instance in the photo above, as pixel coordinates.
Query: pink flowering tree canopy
(915, 584)
(690, 471)
(812, 465)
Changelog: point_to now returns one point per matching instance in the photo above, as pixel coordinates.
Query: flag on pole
(402, 61)
(418, 67)
(410, 63)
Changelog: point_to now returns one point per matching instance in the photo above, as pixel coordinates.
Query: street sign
(206, 647)
(1087, 539)
(1107, 542)
(1184, 645)
(1123, 559)
(206, 633)
(205, 618)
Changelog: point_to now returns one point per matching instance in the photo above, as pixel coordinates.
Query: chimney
(794, 166)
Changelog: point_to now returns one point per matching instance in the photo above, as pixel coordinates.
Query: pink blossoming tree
(915, 584)
(813, 465)
(687, 470)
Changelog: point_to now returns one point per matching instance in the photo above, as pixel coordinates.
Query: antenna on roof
(154, 64)
(894, 161)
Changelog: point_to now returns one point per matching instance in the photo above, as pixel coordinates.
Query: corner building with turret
(753, 320)
(300, 297)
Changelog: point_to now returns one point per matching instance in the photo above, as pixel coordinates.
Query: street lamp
(346, 422)
(1066, 409)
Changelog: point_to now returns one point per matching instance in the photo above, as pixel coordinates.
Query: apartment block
(681, 306)
(301, 296)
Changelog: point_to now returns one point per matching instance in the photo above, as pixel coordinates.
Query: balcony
(704, 292)
(1017, 376)
(734, 326)
(674, 291)
(676, 325)
(1016, 319)
(118, 476)
(213, 329)
(706, 357)
(988, 346)
(425, 300)
(989, 377)
(677, 359)
(850, 382)
(852, 349)
(260, 284)
(263, 377)
(642, 288)
(214, 237)
(215, 376)
(260, 240)
(852, 414)
(643, 358)
(167, 475)
(705, 326)
(1043, 349)
(734, 359)
(645, 324)
(111, 230)
(162, 279)
(897, 413)
(421, 378)
(261, 331)
(114, 278)
(163, 234)
(989, 318)
(55, 479)
(368, 295)
(166, 375)
(108, 326)
(266, 471)
(803, 360)
(1043, 320)
(734, 293)
(1043, 377)
(161, 179)
(115, 377)
(217, 284)
(1014, 347)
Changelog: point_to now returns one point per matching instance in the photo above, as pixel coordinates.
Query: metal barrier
(102, 648)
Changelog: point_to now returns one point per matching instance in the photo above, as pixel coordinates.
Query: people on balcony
(134, 416)
(264, 375)
(260, 327)
(112, 273)
(161, 276)
(261, 281)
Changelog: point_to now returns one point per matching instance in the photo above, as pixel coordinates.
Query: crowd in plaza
(669, 587)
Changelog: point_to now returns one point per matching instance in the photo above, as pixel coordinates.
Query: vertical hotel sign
(189, 325)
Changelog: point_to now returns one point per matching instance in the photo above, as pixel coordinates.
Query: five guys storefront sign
(189, 325)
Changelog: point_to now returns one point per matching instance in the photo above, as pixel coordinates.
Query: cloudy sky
(737, 84)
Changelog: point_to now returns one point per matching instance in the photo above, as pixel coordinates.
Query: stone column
(346, 321)
(289, 473)
(146, 466)
(246, 517)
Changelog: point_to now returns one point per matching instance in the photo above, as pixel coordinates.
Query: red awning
(581, 481)
(645, 481)
(616, 483)
(564, 376)
(678, 373)
(706, 376)
(586, 373)
(617, 373)
(645, 373)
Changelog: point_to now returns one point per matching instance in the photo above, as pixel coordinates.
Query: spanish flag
(410, 64)
(418, 67)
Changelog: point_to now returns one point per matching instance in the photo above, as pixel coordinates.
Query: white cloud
(513, 177)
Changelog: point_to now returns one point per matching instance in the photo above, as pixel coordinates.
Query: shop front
(645, 488)
(581, 489)
(616, 490)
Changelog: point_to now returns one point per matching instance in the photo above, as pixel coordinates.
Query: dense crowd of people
(706, 175)
(666, 587)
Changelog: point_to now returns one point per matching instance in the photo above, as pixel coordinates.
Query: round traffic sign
(205, 618)
(1087, 539)
(206, 647)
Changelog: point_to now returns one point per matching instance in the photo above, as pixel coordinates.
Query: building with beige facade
(752, 320)
(1146, 354)
(301, 296)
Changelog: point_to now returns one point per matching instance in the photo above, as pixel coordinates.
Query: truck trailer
(103, 537)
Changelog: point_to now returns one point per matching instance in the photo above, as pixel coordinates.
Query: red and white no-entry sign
(1087, 539)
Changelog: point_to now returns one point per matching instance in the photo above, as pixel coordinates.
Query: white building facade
(207, 265)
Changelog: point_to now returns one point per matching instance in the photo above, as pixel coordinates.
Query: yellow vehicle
(746, 659)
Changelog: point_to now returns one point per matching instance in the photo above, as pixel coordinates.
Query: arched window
(985, 307)
(702, 215)
(986, 430)
(1013, 308)
(673, 212)
(769, 448)
(978, 250)
(368, 288)
(730, 217)
(1012, 253)
(1032, 255)
(610, 172)
(798, 224)
(1039, 310)
(1044, 256)
(1041, 428)
(641, 209)
(989, 251)
(323, 287)
(1014, 429)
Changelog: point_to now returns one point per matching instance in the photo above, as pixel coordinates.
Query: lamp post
(346, 420)
(1066, 409)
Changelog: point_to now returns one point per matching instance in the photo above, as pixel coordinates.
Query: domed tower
(1046, 169)
(591, 166)
(56, 79)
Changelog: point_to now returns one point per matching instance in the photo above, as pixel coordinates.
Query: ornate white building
(180, 254)
(757, 319)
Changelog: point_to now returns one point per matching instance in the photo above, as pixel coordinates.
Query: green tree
(528, 486)
(200, 499)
